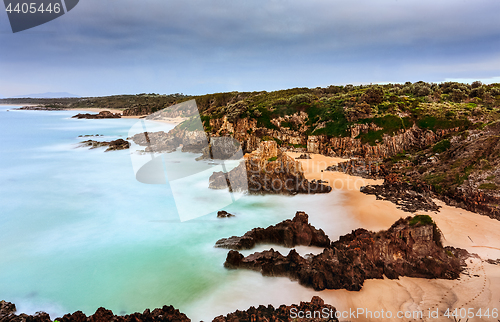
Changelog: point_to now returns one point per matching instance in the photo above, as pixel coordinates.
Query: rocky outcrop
(267, 171)
(408, 197)
(167, 313)
(193, 141)
(39, 108)
(313, 311)
(360, 167)
(100, 115)
(224, 214)
(222, 148)
(410, 247)
(303, 157)
(288, 233)
(8, 314)
(119, 144)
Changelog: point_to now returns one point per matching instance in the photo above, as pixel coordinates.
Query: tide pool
(78, 232)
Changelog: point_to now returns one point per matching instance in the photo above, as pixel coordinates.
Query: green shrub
(421, 220)
(272, 159)
(441, 146)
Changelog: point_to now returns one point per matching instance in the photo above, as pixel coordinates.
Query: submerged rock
(410, 247)
(224, 214)
(115, 145)
(288, 233)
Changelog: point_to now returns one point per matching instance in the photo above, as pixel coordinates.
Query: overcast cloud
(107, 47)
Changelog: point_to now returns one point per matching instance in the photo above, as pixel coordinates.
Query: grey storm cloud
(216, 45)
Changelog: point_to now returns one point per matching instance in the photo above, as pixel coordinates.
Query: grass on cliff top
(421, 220)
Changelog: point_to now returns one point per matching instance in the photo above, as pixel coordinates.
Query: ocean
(78, 231)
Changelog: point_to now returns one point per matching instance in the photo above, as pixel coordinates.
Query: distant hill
(47, 95)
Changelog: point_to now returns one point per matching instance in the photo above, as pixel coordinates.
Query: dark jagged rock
(410, 247)
(288, 233)
(303, 157)
(115, 145)
(362, 168)
(39, 108)
(224, 214)
(165, 314)
(8, 314)
(313, 311)
(408, 197)
(100, 115)
(267, 171)
(493, 261)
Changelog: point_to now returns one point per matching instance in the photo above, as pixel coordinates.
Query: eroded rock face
(402, 250)
(313, 311)
(101, 115)
(114, 145)
(288, 233)
(350, 146)
(267, 171)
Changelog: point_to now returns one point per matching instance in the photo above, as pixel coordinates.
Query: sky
(107, 47)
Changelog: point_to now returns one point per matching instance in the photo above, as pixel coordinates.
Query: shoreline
(460, 228)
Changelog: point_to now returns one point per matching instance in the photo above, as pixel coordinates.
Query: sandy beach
(478, 287)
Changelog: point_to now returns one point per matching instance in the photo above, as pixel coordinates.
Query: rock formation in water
(288, 233)
(224, 214)
(167, 313)
(313, 311)
(100, 115)
(410, 247)
(119, 144)
(267, 171)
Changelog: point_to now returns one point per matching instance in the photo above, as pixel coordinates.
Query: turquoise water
(77, 231)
